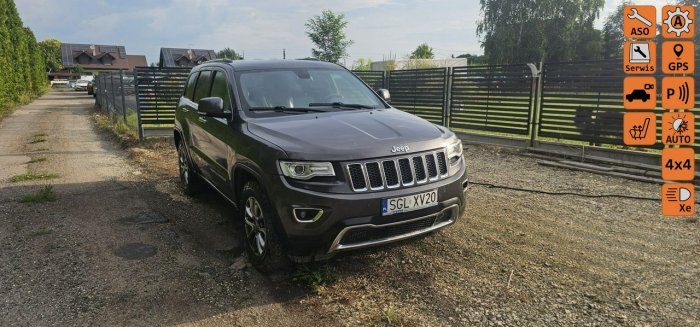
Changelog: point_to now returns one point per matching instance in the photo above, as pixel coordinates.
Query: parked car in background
(71, 83)
(316, 161)
(81, 85)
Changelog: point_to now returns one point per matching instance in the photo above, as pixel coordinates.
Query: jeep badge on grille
(403, 148)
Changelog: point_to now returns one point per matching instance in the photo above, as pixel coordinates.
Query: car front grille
(397, 172)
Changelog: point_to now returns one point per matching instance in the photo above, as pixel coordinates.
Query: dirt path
(86, 260)
(515, 259)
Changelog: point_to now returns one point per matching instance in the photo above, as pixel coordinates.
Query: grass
(34, 176)
(37, 140)
(37, 159)
(314, 279)
(41, 232)
(389, 316)
(45, 194)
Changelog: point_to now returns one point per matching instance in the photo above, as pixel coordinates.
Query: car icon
(638, 95)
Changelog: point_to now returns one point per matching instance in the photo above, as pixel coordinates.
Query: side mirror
(213, 106)
(384, 94)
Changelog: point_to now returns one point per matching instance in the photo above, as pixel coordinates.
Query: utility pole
(284, 53)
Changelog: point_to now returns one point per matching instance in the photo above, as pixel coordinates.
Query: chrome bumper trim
(336, 246)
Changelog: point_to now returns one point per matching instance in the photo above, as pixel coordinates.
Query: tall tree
(51, 49)
(613, 35)
(423, 51)
(228, 53)
(516, 31)
(327, 32)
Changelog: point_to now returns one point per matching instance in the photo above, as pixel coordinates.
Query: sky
(262, 28)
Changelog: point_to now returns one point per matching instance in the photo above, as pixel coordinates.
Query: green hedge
(22, 66)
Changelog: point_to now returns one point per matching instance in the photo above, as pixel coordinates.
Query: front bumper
(353, 221)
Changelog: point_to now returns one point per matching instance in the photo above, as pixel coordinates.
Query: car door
(196, 120)
(219, 150)
(187, 108)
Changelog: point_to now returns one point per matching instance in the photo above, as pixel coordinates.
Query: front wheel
(262, 246)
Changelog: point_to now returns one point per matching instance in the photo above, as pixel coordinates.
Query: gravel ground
(123, 246)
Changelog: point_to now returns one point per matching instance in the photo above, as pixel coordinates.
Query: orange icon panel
(640, 57)
(639, 22)
(678, 57)
(678, 128)
(639, 128)
(678, 22)
(640, 92)
(678, 93)
(678, 164)
(678, 199)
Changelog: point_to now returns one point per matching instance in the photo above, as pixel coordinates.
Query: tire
(191, 183)
(262, 243)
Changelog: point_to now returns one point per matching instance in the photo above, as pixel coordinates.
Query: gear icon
(670, 21)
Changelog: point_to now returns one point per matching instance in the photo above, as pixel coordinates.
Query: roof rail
(309, 59)
(226, 60)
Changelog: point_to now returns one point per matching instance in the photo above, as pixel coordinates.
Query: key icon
(637, 16)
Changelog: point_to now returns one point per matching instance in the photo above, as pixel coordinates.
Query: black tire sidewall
(274, 258)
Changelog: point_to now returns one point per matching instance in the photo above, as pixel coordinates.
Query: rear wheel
(262, 246)
(189, 179)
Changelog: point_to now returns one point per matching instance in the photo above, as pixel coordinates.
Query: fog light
(307, 215)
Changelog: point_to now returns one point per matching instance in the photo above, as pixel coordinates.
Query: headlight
(454, 152)
(306, 170)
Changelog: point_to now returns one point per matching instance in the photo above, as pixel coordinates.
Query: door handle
(202, 120)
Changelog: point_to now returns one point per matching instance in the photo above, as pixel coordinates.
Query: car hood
(349, 135)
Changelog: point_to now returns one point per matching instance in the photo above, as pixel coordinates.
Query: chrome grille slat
(402, 171)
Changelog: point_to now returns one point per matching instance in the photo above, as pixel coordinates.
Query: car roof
(243, 65)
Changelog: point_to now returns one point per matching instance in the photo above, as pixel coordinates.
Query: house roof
(169, 57)
(71, 51)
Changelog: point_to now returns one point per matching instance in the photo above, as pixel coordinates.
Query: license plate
(409, 203)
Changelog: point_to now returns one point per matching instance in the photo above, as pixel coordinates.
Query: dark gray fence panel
(582, 101)
(375, 79)
(492, 98)
(158, 91)
(420, 92)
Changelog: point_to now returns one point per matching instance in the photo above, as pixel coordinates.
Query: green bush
(19, 50)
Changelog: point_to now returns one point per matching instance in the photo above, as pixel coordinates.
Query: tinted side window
(203, 86)
(220, 88)
(189, 89)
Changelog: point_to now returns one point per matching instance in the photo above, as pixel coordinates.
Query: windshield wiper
(285, 109)
(341, 105)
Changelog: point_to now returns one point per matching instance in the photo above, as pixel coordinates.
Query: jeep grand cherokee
(314, 159)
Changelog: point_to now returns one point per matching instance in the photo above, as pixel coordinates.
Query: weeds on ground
(389, 316)
(45, 194)
(37, 159)
(314, 279)
(37, 140)
(34, 176)
(41, 232)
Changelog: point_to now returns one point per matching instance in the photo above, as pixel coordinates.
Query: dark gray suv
(314, 159)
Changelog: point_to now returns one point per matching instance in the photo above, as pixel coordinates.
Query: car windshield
(299, 89)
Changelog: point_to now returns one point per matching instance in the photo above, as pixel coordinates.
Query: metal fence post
(537, 80)
(138, 102)
(121, 85)
(448, 97)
